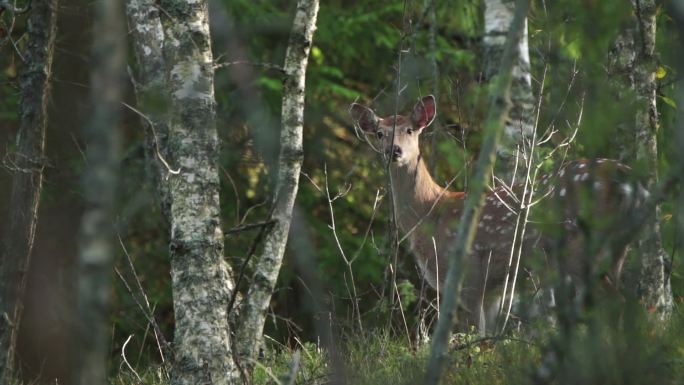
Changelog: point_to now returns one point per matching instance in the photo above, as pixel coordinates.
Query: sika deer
(429, 213)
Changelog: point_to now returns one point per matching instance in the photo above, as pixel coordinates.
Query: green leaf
(668, 101)
(317, 55)
(661, 72)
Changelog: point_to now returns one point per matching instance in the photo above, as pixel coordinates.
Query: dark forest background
(354, 58)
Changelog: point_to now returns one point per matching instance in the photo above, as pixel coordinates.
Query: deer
(428, 213)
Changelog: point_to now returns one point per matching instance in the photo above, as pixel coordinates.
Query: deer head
(397, 135)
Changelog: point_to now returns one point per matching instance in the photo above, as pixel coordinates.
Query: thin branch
(156, 142)
(163, 346)
(123, 357)
(250, 253)
(249, 226)
(268, 66)
(353, 294)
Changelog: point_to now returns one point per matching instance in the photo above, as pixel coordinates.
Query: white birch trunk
(201, 277)
(255, 304)
(176, 92)
(498, 15)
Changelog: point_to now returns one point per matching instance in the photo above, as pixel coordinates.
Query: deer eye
(409, 131)
(379, 134)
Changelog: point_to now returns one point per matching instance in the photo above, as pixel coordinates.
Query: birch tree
(654, 282)
(498, 16)
(27, 165)
(633, 62)
(201, 277)
(176, 75)
(96, 255)
(253, 312)
(178, 109)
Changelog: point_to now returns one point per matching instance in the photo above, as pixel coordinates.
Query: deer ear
(424, 112)
(364, 117)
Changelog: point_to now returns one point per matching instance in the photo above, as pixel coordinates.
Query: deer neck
(415, 193)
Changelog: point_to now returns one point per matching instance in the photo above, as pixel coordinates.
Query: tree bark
(27, 165)
(654, 282)
(96, 256)
(253, 311)
(498, 16)
(500, 106)
(201, 278)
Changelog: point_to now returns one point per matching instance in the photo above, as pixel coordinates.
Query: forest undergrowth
(604, 347)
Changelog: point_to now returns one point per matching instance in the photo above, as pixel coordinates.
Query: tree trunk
(151, 91)
(175, 91)
(96, 256)
(201, 277)
(27, 165)
(654, 282)
(253, 311)
(498, 15)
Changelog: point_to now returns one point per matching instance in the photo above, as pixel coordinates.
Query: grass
(607, 347)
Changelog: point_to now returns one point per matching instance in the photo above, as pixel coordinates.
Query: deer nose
(395, 152)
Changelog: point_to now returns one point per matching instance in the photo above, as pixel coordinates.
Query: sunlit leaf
(668, 101)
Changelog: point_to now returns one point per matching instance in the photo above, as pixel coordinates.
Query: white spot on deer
(585, 176)
(562, 192)
(577, 177)
(642, 192)
(486, 217)
(562, 172)
(626, 189)
(581, 165)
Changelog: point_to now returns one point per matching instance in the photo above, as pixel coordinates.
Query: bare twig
(401, 310)
(524, 211)
(268, 66)
(235, 191)
(247, 259)
(123, 357)
(249, 226)
(347, 261)
(156, 142)
(162, 345)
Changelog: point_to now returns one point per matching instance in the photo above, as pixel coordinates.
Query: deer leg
(473, 305)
